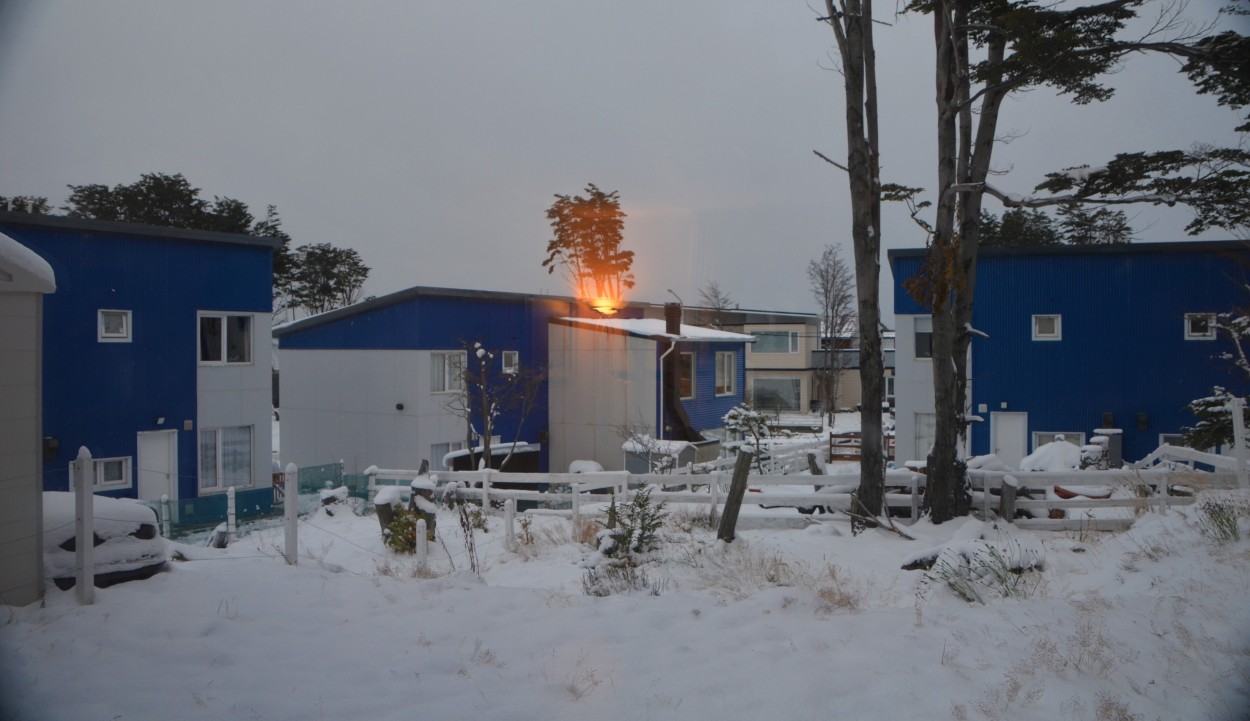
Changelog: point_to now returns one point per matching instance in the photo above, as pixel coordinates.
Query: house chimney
(672, 318)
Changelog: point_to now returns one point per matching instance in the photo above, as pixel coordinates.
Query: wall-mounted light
(160, 420)
(51, 447)
(1143, 422)
(399, 406)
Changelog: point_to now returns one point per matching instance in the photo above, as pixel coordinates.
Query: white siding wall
(21, 498)
(240, 395)
(913, 390)
(339, 405)
(599, 383)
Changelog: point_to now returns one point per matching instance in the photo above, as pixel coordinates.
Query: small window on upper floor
(775, 341)
(225, 339)
(1199, 326)
(923, 326)
(1047, 327)
(113, 326)
(511, 361)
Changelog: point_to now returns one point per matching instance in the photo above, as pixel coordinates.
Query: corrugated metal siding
(706, 410)
(101, 394)
(1122, 350)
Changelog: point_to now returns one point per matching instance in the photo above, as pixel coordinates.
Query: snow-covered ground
(814, 623)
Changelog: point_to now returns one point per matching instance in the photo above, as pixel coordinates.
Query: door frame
(144, 465)
(995, 434)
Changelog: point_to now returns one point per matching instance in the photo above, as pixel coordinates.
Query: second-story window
(225, 338)
(775, 341)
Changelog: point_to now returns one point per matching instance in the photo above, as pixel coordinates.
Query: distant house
(24, 279)
(780, 370)
(619, 380)
(1081, 338)
(156, 358)
(370, 384)
(377, 383)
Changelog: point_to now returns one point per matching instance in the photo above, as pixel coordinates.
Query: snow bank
(1056, 456)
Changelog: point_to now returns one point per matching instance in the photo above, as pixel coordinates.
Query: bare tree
(491, 389)
(717, 299)
(833, 286)
(851, 21)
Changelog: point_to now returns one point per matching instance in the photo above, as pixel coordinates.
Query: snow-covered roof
(656, 329)
(22, 270)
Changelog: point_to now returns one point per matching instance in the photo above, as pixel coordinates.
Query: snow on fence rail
(585, 493)
(778, 457)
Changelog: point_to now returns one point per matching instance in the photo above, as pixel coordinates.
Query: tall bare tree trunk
(852, 27)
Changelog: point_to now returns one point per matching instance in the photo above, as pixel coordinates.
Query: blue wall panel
(1123, 349)
(707, 410)
(99, 395)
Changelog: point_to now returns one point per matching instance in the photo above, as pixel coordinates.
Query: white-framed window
(113, 326)
(726, 373)
(447, 371)
(110, 474)
(511, 361)
(775, 341)
(438, 451)
(1041, 438)
(925, 434)
(889, 389)
(685, 375)
(225, 457)
(225, 339)
(1047, 327)
(923, 333)
(776, 394)
(1199, 326)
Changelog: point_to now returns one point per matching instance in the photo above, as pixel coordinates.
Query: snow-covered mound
(1058, 455)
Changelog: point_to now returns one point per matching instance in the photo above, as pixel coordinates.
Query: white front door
(1009, 437)
(158, 465)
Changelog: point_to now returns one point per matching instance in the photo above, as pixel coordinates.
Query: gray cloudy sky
(431, 136)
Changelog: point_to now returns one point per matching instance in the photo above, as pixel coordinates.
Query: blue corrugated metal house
(156, 358)
(1081, 338)
(373, 384)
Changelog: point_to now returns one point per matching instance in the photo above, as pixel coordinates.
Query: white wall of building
(341, 405)
(24, 278)
(913, 390)
(599, 383)
(240, 395)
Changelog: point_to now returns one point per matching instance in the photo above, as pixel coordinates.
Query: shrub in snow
(632, 527)
(1219, 519)
(620, 578)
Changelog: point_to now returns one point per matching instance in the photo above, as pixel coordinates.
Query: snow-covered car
(128, 545)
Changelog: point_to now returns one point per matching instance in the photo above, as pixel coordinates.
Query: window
(447, 371)
(113, 326)
(685, 375)
(776, 394)
(926, 433)
(775, 341)
(726, 373)
(924, 337)
(1047, 327)
(439, 451)
(110, 473)
(511, 361)
(225, 458)
(1042, 438)
(1199, 326)
(225, 339)
(889, 390)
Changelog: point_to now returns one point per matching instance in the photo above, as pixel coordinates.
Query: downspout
(659, 431)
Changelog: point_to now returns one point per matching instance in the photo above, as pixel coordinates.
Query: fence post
(421, 542)
(230, 515)
(915, 497)
(373, 483)
(577, 506)
(733, 503)
(84, 526)
(1236, 406)
(290, 512)
(509, 518)
(485, 490)
(165, 522)
(713, 488)
(1007, 498)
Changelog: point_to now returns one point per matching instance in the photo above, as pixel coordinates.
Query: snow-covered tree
(1214, 412)
(492, 388)
(750, 426)
(833, 286)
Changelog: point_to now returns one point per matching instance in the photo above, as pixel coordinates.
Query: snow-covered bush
(632, 528)
(750, 426)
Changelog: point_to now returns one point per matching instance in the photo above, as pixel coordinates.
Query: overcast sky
(431, 136)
